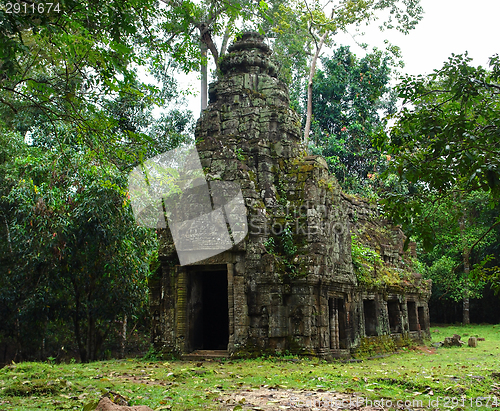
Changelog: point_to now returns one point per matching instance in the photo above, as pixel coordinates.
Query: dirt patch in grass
(425, 350)
(140, 380)
(267, 399)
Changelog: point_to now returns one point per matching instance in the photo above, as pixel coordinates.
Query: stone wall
(291, 284)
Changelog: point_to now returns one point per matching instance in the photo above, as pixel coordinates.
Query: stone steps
(199, 355)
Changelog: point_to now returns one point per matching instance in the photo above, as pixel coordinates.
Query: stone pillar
(181, 310)
(230, 303)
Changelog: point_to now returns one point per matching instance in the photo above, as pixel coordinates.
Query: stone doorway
(207, 308)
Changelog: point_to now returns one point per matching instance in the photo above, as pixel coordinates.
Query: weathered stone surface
(291, 283)
(454, 341)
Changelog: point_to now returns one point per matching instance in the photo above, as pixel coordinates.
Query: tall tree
(73, 255)
(197, 27)
(313, 24)
(319, 22)
(446, 146)
(75, 118)
(455, 231)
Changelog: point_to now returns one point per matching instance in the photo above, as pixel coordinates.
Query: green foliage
(487, 272)
(73, 259)
(372, 272)
(283, 248)
(444, 149)
(348, 95)
(72, 75)
(291, 44)
(365, 261)
(298, 26)
(289, 248)
(446, 141)
(445, 260)
(447, 284)
(270, 245)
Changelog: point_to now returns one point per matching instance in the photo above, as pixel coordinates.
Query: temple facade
(318, 272)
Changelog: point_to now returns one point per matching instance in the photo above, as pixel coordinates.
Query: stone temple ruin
(319, 272)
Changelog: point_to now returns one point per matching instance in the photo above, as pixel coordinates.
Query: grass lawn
(443, 378)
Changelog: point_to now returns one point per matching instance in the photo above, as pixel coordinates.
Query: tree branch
(484, 235)
(206, 37)
(225, 39)
(11, 106)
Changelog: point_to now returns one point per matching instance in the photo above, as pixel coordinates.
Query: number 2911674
(32, 8)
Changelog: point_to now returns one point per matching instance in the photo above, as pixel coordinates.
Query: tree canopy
(349, 96)
(73, 69)
(73, 254)
(446, 139)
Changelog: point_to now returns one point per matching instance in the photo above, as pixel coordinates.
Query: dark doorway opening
(370, 313)
(394, 316)
(412, 316)
(208, 313)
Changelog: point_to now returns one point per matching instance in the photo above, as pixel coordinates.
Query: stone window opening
(370, 314)
(394, 313)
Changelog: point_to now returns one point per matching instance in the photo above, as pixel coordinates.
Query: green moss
(306, 168)
(252, 176)
(254, 94)
(33, 387)
(373, 273)
(329, 184)
(404, 341)
(370, 346)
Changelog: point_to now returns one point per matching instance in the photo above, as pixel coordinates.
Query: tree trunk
(124, 336)
(466, 254)
(76, 324)
(225, 39)
(466, 311)
(312, 70)
(204, 76)
(8, 233)
(19, 349)
(81, 348)
(91, 338)
(206, 43)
